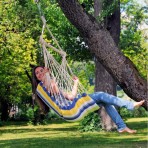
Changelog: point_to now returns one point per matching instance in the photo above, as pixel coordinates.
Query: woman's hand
(46, 70)
(75, 79)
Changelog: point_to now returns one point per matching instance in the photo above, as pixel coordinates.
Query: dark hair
(34, 75)
(35, 82)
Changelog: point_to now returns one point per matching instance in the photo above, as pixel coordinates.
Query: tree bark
(97, 7)
(101, 43)
(104, 81)
(4, 110)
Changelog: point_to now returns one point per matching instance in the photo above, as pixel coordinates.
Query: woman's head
(39, 73)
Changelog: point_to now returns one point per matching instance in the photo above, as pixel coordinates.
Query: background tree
(17, 49)
(133, 39)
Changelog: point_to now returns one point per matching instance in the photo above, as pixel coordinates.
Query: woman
(100, 98)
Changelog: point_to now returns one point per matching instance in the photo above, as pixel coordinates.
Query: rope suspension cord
(55, 69)
(61, 74)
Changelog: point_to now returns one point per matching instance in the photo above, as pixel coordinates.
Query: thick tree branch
(29, 77)
(103, 46)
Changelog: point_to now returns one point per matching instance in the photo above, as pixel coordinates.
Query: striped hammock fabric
(74, 111)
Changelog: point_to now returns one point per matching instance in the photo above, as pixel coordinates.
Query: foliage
(90, 123)
(88, 5)
(108, 10)
(32, 115)
(140, 112)
(25, 113)
(67, 36)
(85, 72)
(132, 41)
(50, 116)
(17, 50)
(19, 30)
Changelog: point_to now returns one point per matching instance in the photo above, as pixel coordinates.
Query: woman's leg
(112, 112)
(101, 97)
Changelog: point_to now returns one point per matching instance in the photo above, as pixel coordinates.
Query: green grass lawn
(62, 134)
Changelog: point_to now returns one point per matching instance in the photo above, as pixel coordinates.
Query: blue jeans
(107, 100)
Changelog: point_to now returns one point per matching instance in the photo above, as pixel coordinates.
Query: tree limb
(103, 46)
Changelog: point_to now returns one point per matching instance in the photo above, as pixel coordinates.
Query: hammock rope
(61, 74)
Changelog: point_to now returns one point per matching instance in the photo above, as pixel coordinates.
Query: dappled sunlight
(67, 135)
(137, 119)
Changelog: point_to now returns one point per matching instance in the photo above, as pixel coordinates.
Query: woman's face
(40, 73)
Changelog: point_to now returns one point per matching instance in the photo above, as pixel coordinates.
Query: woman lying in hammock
(45, 91)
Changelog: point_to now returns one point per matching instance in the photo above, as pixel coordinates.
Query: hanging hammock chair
(62, 74)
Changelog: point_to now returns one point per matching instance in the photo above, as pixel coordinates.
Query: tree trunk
(104, 81)
(101, 43)
(4, 110)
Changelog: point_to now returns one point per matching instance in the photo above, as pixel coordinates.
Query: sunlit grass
(59, 134)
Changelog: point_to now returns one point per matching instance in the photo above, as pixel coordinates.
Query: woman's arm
(73, 93)
(54, 87)
(50, 83)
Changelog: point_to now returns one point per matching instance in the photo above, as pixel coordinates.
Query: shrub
(92, 122)
(140, 112)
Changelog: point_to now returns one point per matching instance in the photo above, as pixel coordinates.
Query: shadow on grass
(15, 127)
(138, 125)
(27, 130)
(70, 137)
(99, 141)
(20, 123)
